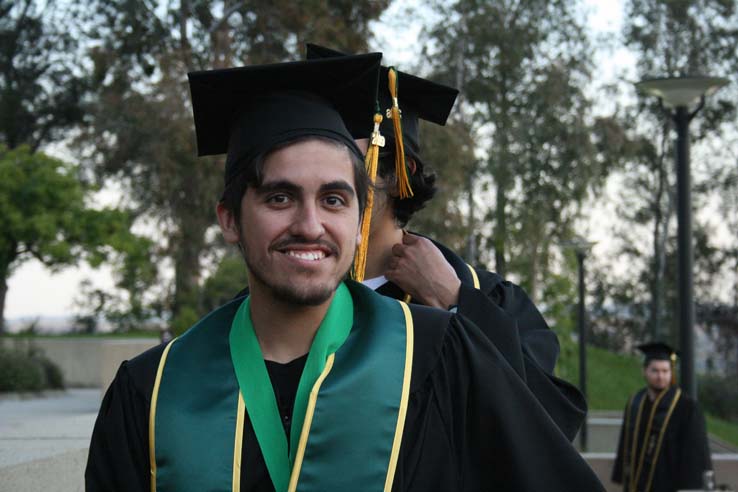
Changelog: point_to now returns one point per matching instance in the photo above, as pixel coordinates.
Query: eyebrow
(285, 185)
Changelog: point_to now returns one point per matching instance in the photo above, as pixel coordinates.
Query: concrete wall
(85, 362)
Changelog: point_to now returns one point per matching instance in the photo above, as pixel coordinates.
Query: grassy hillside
(612, 378)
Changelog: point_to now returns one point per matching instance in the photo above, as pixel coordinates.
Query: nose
(308, 222)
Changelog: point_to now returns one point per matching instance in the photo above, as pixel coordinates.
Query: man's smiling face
(299, 228)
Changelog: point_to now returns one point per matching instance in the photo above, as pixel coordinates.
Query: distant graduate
(663, 442)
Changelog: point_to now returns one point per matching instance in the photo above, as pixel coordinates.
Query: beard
(657, 388)
(311, 294)
(289, 293)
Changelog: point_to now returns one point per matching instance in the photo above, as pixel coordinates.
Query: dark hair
(252, 175)
(422, 183)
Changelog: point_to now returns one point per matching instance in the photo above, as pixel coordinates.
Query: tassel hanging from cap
(403, 183)
(371, 161)
(672, 360)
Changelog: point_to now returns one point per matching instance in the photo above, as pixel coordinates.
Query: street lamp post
(581, 247)
(686, 96)
(581, 253)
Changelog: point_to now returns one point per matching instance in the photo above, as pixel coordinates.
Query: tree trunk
(534, 260)
(658, 262)
(3, 291)
(6, 259)
(500, 228)
(194, 220)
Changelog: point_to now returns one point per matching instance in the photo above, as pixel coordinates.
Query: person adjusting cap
(413, 97)
(398, 123)
(245, 111)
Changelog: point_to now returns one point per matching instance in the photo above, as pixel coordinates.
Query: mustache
(299, 241)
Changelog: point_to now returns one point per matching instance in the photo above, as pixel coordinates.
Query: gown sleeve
(508, 317)
(693, 449)
(474, 425)
(118, 459)
(617, 469)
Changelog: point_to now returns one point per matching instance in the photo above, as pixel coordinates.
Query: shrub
(719, 396)
(19, 372)
(53, 375)
(28, 371)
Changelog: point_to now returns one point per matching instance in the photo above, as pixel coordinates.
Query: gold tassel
(403, 183)
(371, 161)
(673, 358)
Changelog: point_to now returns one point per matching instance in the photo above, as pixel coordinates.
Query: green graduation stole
(641, 455)
(349, 411)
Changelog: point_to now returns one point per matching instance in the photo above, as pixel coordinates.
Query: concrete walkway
(44, 440)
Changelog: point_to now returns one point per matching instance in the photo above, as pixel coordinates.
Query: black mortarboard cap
(657, 351)
(246, 111)
(418, 99)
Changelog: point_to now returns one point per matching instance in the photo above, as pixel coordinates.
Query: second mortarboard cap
(247, 111)
(418, 99)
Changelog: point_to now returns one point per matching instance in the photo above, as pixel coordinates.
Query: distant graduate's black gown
(684, 454)
(472, 423)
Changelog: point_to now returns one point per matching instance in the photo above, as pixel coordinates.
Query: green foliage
(41, 90)
(668, 39)
(45, 216)
(522, 68)
(228, 279)
(141, 130)
(719, 396)
(727, 431)
(27, 371)
(611, 378)
(448, 152)
(687, 37)
(44, 213)
(52, 373)
(186, 318)
(18, 372)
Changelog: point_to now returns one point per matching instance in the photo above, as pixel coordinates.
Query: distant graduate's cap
(416, 99)
(246, 111)
(657, 351)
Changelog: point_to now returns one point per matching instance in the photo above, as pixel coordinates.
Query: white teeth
(307, 255)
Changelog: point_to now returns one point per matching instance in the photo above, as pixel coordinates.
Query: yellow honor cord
(403, 183)
(371, 162)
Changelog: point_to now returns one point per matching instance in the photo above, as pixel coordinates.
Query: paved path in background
(39, 428)
(44, 440)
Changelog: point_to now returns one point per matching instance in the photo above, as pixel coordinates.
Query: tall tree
(141, 126)
(670, 39)
(524, 65)
(45, 217)
(41, 87)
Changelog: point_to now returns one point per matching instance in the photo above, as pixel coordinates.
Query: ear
(228, 224)
(412, 166)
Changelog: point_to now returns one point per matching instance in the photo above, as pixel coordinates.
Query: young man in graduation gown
(312, 382)
(417, 269)
(663, 443)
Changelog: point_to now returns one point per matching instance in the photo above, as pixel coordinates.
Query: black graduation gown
(472, 424)
(684, 455)
(530, 346)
